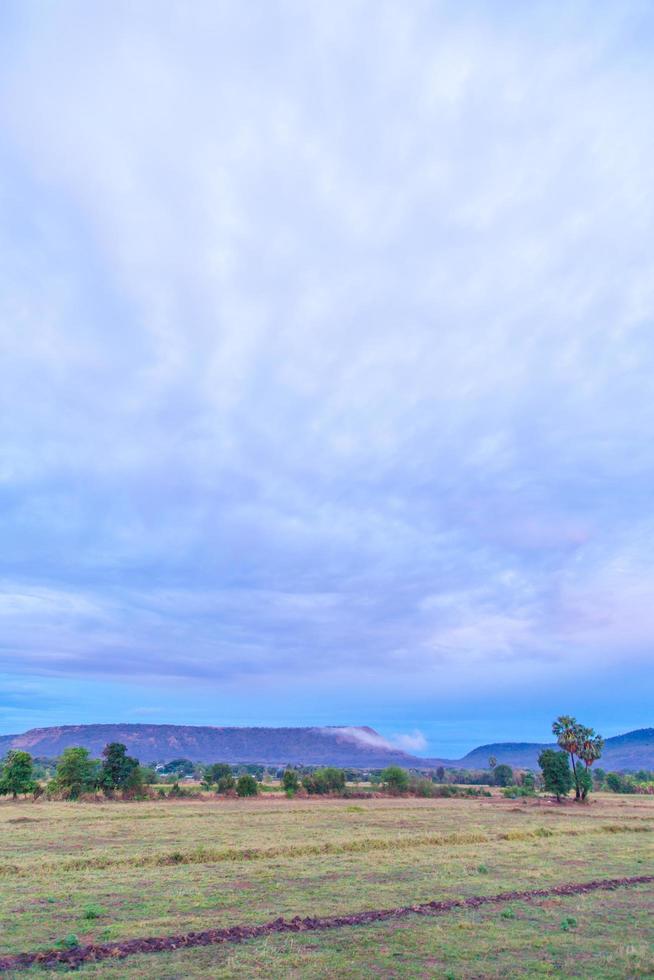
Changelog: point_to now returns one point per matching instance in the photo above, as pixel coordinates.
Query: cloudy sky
(327, 365)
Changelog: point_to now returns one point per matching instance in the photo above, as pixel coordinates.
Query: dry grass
(157, 868)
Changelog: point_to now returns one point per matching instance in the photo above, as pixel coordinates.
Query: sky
(326, 365)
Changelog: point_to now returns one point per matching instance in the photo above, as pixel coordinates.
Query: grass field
(117, 871)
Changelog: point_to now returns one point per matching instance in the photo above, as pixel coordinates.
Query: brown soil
(236, 934)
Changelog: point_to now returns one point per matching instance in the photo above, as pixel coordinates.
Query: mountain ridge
(355, 746)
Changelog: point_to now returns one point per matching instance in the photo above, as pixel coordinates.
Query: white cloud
(326, 344)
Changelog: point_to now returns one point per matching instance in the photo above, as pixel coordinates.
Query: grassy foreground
(106, 872)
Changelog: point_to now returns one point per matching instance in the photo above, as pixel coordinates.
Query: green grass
(111, 871)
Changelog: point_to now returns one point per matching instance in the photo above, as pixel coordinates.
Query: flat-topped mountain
(359, 747)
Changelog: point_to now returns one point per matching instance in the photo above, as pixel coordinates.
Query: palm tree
(590, 747)
(568, 734)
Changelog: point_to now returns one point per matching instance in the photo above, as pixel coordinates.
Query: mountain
(359, 747)
(632, 751)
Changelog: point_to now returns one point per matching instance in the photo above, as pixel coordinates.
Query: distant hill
(359, 747)
(632, 751)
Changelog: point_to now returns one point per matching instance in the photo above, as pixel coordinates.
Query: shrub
(246, 785)
(395, 779)
(291, 781)
(584, 781)
(503, 775)
(618, 783)
(178, 792)
(515, 792)
(445, 790)
(327, 780)
(226, 784)
(214, 773)
(92, 912)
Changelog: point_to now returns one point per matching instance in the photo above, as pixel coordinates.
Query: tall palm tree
(590, 747)
(568, 733)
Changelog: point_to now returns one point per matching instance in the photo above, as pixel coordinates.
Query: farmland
(114, 872)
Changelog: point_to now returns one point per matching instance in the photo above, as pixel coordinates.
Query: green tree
(119, 770)
(619, 783)
(590, 749)
(327, 780)
(569, 734)
(585, 781)
(214, 773)
(246, 785)
(529, 782)
(395, 779)
(291, 781)
(225, 783)
(76, 772)
(149, 774)
(557, 777)
(17, 774)
(503, 775)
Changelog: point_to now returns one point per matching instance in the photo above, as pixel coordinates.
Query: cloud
(409, 742)
(326, 346)
(413, 742)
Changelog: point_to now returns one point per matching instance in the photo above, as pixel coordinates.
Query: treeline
(117, 774)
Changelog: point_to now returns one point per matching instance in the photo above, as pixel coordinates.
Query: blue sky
(326, 365)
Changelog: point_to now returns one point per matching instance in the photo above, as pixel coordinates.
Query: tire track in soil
(237, 934)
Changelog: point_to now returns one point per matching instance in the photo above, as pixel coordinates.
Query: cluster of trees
(220, 777)
(77, 773)
(580, 747)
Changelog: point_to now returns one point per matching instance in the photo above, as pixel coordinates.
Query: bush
(515, 792)
(290, 781)
(503, 775)
(395, 780)
(214, 773)
(226, 784)
(246, 785)
(322, 781)
(585, 780)
(445, 791)
(177, 792)
(618, 783)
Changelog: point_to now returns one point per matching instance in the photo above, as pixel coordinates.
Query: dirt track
(236, 934)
